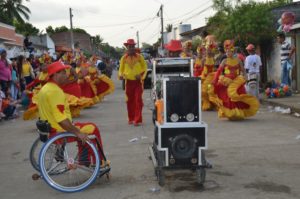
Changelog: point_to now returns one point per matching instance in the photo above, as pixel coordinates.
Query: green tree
(61, 29)
(25, 28)
(145, 45)
(97, 41)
(247, 22)
(169, 28)
(50, 30)
(79, 30)
(13, 9)
(195, 43)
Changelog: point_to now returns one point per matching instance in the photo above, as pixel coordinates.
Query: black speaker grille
(182, 97)
(197, 133)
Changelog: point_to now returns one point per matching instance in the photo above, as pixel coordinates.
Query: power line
(153, 35)
(187, 13)
(198, 13)
(148, 25)
(121, 24)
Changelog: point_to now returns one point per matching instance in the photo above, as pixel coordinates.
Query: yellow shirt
(43, 76)
(130, 66)
(53, 105)
(26, 69)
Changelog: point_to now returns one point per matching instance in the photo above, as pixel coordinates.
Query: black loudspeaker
(181, 144)
(182, 97)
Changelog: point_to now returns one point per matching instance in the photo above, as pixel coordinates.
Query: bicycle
(67, 164)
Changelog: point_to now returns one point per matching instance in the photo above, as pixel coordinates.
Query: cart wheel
(201, 174)
(160, 177)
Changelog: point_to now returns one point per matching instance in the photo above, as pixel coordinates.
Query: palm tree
(97, 41)
(14, 9)
(169, 28)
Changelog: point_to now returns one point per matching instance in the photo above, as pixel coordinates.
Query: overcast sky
(117, 20)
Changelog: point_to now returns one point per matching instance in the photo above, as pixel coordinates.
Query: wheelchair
(64, 162)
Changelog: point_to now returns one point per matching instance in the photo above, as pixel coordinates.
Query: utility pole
(71, 30)
(162, 26)
(138, 39)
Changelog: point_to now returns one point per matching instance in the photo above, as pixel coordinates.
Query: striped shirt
(285, 51)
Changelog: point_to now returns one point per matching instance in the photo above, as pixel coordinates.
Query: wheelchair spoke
(71, 166)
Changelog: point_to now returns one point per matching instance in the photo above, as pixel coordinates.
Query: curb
(272, 103)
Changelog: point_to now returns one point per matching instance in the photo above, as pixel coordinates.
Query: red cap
(56, 67)
(129, 42)
(250, 47)
(174, 45)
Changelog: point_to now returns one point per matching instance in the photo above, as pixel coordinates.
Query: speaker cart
(180, 135)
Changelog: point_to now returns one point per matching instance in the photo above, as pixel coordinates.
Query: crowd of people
(22, 77)
(224, 71)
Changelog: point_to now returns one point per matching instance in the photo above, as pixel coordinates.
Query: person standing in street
(133, 70)
(252, 67)
(286, 53)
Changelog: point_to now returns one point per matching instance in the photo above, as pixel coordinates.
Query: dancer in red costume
(133, 69)
(228, 90)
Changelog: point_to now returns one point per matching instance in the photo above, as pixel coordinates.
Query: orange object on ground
(159, 104)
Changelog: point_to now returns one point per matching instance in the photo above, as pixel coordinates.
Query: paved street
(255, 158)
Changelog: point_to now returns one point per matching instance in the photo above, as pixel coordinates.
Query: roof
(194, 31)
(9, 36)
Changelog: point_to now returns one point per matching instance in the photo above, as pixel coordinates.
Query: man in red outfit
(133, 70)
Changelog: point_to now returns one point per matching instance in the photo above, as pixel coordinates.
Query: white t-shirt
(253, 63)
(98, 62)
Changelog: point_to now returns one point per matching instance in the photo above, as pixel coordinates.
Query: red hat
(174, 45)
(129, 42)
(56, 67)
(250, 47)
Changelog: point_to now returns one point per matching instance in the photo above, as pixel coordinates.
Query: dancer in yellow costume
(207, 75)
(187, 50)
(198, 67)
(228, 91)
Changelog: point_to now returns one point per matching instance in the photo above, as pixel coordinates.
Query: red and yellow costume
(187, 50)
(102, 84)
(228, 92)
(207, 76)
(32, 91)
(88, 90)
(198, 67)
(53, 107)
(73, 94)
(130, 66)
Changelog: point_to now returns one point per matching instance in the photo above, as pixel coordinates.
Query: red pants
(134, 92)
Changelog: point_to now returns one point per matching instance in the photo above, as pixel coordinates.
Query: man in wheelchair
(54, 108)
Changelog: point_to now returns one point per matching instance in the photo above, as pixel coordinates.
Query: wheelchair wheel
(72, 166)
(34, 153)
